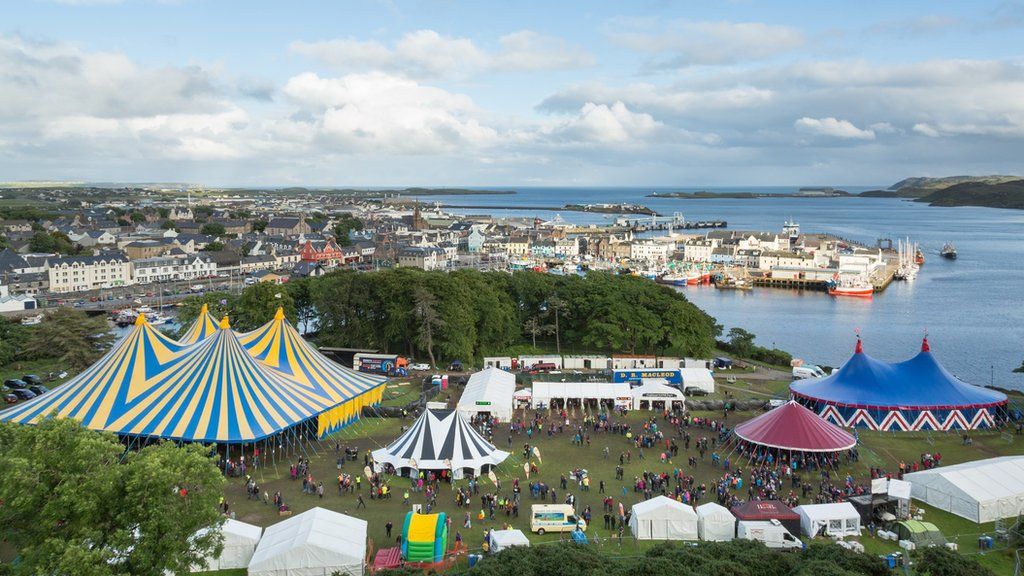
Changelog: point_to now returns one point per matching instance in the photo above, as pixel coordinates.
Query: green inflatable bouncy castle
(424, 537)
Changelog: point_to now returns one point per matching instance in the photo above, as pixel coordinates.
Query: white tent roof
(502, 539)
(489, 390)
(700, 377)
(313, 543)
(981, 491)
(840, 518)
(440, 440)
(715, 523)
(662, 518)
(596, 390)
(240, 540)
(658, 389)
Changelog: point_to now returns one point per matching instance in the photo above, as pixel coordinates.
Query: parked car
(10, 398)
(38, 389)
(15, 384)
(695, 391)
(420, 367)
(24, 393)
(32, 379)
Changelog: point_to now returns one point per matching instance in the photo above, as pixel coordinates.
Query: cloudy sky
(509, 93)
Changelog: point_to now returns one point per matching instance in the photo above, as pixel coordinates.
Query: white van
(554, 518)
(808, 371)
(772, 533)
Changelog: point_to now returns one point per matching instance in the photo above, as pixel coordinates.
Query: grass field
(560, 456)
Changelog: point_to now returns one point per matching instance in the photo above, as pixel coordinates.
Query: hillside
(1001, 195)
(920, 186)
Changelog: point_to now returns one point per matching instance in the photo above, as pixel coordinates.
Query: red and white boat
(853, 289)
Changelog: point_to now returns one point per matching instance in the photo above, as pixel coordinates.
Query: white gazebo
(662, 518)
(240, 540)
(489, 391)
(715, 523)
(314, 543)
(839, 519)
(701, 378)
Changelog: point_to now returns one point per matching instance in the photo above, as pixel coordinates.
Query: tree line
(469, 314)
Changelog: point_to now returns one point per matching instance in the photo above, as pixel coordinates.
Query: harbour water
(971, 308)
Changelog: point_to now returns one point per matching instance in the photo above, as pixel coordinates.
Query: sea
(972, 309)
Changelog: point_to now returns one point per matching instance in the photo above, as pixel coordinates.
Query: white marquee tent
(656, 394)
(715, 523)
(981, 491)
(314, 543)
(662, 518)
(698, 378)
(838, 520)
(617, 392)
(504, 539)
(240, 540)
(489, 391)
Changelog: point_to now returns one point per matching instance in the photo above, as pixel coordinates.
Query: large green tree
(258, 303)
(75, 502)
(71, 336)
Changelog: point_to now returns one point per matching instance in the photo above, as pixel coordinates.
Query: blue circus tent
(204, 326)
(916, 394)
(116, 383)
(218, 393)
(278, 345)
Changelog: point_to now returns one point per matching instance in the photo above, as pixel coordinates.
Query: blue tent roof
(918, 383)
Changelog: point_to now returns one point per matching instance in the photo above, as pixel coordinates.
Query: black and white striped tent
(440, 440)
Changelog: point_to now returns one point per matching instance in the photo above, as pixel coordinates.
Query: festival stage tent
(981, 491)
(440, 440)
(793, 427)
(489, 391)
(656, 391)
(278, 345)
(118, 383)
(203, 327)
(662, 518)
(839, 519)
(240, 540)
(616, 393)
(314, 543)
(917, 394)
(715, 523)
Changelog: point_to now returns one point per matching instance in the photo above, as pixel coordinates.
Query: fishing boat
(919, 257)
(672, 279)
(948, 251)
(853, 288)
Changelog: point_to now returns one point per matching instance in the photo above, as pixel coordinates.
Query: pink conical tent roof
(794, 427)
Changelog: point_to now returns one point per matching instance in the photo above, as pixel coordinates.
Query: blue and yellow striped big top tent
(118, 382)
(278, 345)
(201, 329)
(214, 390)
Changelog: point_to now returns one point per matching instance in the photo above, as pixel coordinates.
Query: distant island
(995, 191)
(808, 192)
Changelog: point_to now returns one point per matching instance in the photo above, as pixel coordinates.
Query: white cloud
(833, 127)
(387, 113)
(682, 43)
(428, 54)
(925, 130)
(600, 123)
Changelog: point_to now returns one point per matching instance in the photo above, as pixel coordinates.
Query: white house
(77, 273)
(172, 268)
